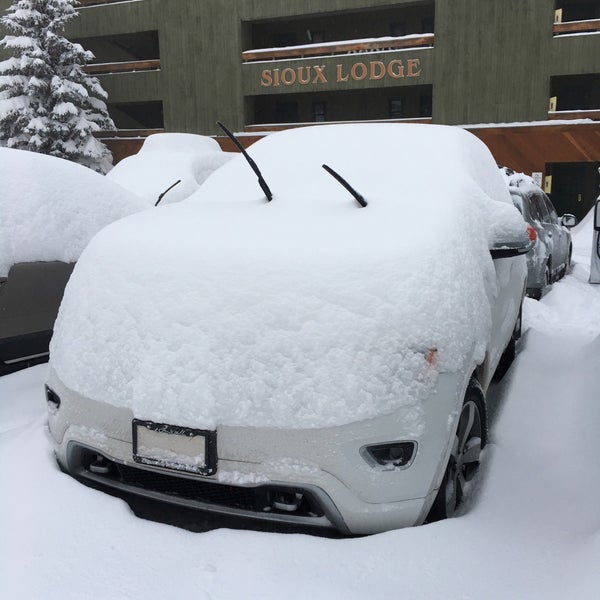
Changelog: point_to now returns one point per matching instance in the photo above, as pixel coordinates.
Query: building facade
(258, 65)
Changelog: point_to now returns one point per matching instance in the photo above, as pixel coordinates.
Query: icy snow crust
(166, 158)
(50, 207)
(304, 312)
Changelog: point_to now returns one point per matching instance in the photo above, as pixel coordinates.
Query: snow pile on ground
(307, 311)
(532, 530)
(166, 158)
(50, 207)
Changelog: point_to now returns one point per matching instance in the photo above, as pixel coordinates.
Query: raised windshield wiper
(261, 181)
(167, 190)
(360, 199)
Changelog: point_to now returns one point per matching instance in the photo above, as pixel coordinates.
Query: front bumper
(324, 465)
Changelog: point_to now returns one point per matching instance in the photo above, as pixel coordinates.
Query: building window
(286, 112)
(398, 29)
(396, 111)
(319, 112)
(315, 37)
(137, 115)
(425, 105)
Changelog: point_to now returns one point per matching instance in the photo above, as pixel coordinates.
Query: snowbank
(307, 311)
(50, 208)
(166, 158)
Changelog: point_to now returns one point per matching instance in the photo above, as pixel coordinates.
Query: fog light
(53, 399)
(394, 455)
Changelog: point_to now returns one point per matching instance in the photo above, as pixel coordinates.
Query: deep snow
(532, 530)
(304, 312)
(53, 215)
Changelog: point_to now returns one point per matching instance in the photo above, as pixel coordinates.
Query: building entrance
(575, 187)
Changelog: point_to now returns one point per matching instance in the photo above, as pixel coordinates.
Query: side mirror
(514, 246)
(568, 220)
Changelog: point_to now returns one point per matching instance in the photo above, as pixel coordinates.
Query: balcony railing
(332, 48)
(84, 3)
(577, 27)
(593, 114)
(266, 128)
(123, 67)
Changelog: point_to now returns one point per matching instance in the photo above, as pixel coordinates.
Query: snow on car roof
(166, 158)
(50, 207)
(307, 311)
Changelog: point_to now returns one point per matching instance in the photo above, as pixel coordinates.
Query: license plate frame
(161, 432)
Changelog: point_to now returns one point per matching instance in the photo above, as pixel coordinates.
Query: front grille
(200, 491)
(258, 499)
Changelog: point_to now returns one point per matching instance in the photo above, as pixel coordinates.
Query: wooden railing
(97, 2)
(593, 114)
(281, 126)
(123, 67)
(417, 41)
(577, 27)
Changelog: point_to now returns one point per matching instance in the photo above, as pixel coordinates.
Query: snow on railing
(424, 40)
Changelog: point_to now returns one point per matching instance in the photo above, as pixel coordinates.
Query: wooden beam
(577, 26)
(122, 67)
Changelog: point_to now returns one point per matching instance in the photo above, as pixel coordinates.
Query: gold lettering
(379, 65)
(414, 67)
(354, 71)
(276, 77)
(340, 77)
(288, 76)
(266, 79)
(399, 72)
(303, 80)
(319, 74)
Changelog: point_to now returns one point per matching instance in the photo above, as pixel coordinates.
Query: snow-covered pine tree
(48, 104)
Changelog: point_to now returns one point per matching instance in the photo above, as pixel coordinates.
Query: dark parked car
(29, 300)
(550, 257)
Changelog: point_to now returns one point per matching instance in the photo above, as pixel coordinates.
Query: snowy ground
(532, 529)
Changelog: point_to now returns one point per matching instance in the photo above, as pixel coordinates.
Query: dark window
(551, 210)
(396, 111)
(319, 112)
(137, 115)
(427, 25)
(398, 29)
(315, 37)
(281, 40)
(286, 112)
(425, 105)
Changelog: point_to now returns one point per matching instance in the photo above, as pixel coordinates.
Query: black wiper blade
(261, 181)
(358, 197)
(167, 190)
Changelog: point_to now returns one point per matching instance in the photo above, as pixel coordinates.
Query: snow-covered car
(50, 208)
(550, 258)
(320, 358)
(169, 166)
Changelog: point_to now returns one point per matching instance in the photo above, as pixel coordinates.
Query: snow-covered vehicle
(550, 257)
(50, 208)
(321, 358)
(169, 166)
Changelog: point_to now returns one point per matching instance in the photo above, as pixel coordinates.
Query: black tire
(469, 440)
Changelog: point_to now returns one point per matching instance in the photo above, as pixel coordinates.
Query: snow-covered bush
(48, 104)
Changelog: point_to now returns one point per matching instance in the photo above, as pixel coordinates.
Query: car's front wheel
(470, 438)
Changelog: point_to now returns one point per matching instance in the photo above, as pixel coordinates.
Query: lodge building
(523, 75)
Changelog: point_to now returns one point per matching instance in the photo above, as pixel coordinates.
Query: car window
(534, 211)
(551, 210)
(544, 215)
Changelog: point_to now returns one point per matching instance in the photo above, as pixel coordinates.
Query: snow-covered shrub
(48, 104)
